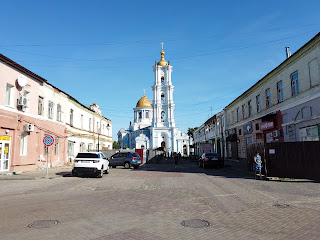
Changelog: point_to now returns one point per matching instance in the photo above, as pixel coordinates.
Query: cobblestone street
(153, 201)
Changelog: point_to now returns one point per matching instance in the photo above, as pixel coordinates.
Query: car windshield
(87, 155)
(211, 154)
(135, 154)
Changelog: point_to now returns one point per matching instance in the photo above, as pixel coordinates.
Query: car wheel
(107, 171)
(127, 165)
(100, 175)
(114, 166)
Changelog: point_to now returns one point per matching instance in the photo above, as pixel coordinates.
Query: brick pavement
(151, 202)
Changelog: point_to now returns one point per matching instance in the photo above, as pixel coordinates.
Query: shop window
(309, 134)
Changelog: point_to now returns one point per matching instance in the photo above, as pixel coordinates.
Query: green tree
(115, 145)
(125, 146)
(191, 131)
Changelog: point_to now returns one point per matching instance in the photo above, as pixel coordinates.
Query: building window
(244, 115)
(162, 81)
(70, 148)
(238, 114)
(59, 112)
(50, 110)
(71, 117)
(90, 146)
(45, 150)
(81, 121)
(295, 84)
(257, 126)
(9, 95)
(56, 146)
(163, 99)
(309, 133)
(258, 100)
(232, 116)
(23, 144)
(250, 107)
(239, 131)
(280, 92)
(249, 140)
(40, 106)
(268, 98)
(147, 114)
(163, 116)
(90, 124)
(140, 115)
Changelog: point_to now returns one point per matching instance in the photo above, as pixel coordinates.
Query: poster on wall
(269, 137)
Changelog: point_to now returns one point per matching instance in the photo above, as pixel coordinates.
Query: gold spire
(162, 62)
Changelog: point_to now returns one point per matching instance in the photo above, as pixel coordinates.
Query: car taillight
(96, 161)
(206, 159)
(133, 158)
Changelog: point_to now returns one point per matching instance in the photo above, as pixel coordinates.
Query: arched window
(163, 98)
(163, 116)
(162, 80)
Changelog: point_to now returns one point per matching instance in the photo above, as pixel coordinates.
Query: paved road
(151, 202)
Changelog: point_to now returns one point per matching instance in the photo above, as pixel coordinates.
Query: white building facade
(154, 123)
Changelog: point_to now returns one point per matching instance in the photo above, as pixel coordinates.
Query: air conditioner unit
(276, 133)
(29, 127)
(23, 101)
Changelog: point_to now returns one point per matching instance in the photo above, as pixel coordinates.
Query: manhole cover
(195, 223)
(281, 205)
(43, 224)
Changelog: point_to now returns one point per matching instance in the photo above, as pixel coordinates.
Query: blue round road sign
(48, 140)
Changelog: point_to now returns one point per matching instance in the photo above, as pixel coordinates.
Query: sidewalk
(57, 172)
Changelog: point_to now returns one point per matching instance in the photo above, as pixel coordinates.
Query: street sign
(48, 140)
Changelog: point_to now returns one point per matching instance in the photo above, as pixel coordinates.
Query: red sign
(266, 125)
(48, 140)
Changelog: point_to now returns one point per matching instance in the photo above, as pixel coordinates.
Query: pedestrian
(176, 159)
(257, 165)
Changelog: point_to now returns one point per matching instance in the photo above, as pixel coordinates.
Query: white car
(90, 163)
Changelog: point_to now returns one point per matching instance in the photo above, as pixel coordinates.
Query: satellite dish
(22, 81)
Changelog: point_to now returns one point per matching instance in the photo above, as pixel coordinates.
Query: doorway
(5, 147)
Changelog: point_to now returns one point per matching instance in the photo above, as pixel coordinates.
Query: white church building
(154, 125)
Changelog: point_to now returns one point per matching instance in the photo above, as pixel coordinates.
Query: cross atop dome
(162, 62)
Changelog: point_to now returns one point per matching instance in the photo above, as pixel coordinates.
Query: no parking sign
(48, 140)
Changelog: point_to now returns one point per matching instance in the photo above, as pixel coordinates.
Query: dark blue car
(126, 159)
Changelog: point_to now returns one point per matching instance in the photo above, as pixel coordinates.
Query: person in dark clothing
(176, 159)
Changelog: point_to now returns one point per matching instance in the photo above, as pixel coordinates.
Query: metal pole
(47, 162)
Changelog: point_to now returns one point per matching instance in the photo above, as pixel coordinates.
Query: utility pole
(98, 129)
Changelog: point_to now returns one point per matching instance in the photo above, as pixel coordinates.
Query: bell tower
(163, 104)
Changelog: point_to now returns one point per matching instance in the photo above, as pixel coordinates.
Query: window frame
(250, 108)
(268, 98)
(59, 111)
(258, 101)
(294, 84)
(244, 114)
(9, 95)
(50, 110)
(24, 143)
(238, 114)
(280, 91)
(40, 105)
(71, 117)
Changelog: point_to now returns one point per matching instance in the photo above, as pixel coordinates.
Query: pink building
(23, 123)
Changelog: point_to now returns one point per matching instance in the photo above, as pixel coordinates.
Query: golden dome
(162, 62)
(144, 102)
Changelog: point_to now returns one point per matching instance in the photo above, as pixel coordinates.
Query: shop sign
(272, 151)
(4, 138)
(266, 125)
(247, 129)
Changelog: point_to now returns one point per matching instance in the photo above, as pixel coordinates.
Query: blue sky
(103, 51)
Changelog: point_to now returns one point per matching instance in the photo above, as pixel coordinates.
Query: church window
(162, 80)
(163, 98)
(147, 114)
(140, 115)
(163, 116)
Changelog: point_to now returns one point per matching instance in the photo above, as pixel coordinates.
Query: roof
(31, 74)
(275, 69)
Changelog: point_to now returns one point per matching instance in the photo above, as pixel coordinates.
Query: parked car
(211, 159)
(126, 159)
(90, 163)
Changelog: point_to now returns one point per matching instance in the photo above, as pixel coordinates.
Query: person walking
(257, 165)
(176, 159)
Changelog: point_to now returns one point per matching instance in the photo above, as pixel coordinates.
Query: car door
(113, 159)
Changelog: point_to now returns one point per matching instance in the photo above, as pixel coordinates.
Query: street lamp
(98, 135)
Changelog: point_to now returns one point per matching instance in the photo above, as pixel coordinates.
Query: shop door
(4, 153)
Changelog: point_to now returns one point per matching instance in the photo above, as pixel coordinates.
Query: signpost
(48, 141)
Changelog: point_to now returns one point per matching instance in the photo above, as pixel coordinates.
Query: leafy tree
(191, 131)
(125, 146)
(115, 145)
